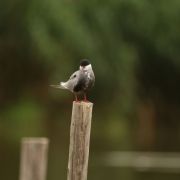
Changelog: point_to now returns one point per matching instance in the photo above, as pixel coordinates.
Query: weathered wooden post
(79, 140)
(33, 158)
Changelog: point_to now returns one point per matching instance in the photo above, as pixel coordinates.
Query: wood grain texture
(33, 158)
(79, 140)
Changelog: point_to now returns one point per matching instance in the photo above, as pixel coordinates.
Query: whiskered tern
(80, 81)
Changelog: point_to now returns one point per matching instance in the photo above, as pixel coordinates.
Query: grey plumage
(80, 81)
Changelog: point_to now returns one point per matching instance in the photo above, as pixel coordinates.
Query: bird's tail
(62, 85)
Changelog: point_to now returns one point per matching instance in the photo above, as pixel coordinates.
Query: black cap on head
(84, 62)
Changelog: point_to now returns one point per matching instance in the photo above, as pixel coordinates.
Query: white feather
(63, 85)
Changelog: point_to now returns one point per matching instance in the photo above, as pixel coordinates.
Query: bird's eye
(74, 76)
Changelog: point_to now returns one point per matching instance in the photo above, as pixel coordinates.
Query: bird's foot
(77, 101)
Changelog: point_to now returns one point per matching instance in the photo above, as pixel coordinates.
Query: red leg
(85, 98)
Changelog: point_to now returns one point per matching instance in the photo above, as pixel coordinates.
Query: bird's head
(85, 65)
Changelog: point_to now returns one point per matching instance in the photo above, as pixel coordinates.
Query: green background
(133, 46)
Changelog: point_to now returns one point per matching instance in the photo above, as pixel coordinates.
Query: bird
(80, 82)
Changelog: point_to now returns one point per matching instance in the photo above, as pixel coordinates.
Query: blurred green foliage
(134, 49)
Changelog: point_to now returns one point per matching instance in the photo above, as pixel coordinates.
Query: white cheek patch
(88, 67)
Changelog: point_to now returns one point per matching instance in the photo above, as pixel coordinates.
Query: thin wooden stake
(79, 140)
(33, 158)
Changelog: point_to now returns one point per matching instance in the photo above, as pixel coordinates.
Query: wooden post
(79, 140)
(33, 158)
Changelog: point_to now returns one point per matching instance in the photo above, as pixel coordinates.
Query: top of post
(35, 140)
(83, 103)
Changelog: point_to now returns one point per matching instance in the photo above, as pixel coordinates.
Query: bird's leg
(76, 98)
(85, 98)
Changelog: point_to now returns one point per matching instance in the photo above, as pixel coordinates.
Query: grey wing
(71, 82)
(74, 75)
